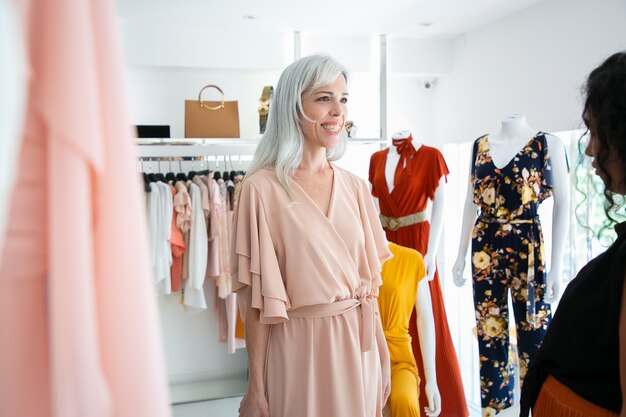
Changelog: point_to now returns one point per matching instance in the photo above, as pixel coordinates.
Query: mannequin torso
(513, 136)
(393, 157)
(419, 189)
(436, 220)
(503, 147)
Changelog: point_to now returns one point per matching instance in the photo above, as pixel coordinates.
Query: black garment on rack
(170, 176)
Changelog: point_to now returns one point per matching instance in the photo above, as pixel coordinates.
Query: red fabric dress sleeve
(439, 168)
(372, 173)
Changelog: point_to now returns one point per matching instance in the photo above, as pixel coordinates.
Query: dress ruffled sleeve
(439, 169)
(372, 173)
(253, 259)
(376, 248)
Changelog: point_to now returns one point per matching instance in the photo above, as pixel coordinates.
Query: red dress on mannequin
(410, 196)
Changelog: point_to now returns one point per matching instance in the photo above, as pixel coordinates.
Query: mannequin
(436, 220)
(513, 135)
(516, 155)
(406, 177)
(404, 274)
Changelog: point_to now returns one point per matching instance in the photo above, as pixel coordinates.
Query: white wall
(192, 348)
(533, 62)
(158, 94)
(166, 68)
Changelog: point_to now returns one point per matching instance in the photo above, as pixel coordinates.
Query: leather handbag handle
(206, 106)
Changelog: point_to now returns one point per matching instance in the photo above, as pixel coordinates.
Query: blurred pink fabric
(78, 318)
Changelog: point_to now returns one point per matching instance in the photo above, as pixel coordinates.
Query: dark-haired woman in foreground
(582, 359)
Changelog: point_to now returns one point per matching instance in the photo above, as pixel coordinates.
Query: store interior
(448, 73)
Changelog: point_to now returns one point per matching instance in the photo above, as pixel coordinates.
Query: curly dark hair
(605, 114)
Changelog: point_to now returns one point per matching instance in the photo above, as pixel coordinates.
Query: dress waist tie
(339, 307)
(531, 284)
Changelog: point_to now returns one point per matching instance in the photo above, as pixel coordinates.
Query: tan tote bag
(211, 119)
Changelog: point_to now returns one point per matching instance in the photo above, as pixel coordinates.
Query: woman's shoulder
(262, 178)
(349, 177)
(263, 182)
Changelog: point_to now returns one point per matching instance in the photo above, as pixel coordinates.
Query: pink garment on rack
(178, 249)
(214, 267)
(182, 206)
(77, 309)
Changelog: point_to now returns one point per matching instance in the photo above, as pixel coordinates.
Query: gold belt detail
(394, 223)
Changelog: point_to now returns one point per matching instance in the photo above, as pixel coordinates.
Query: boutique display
(507, 253)
(508, 250)
(401, 276)
(188, 221)
(415, 178)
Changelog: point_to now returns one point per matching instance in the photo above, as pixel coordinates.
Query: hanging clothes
(77, 310)
(13, 84)
(396, 301)
(213, 229)
(409, 197)
(178, 247)
(184, 219)
(194, 298)
(166, 211)
(508, 253)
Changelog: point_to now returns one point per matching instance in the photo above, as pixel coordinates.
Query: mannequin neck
(399, 138)
(515, 127)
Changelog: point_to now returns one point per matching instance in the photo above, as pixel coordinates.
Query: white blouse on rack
(198, 252)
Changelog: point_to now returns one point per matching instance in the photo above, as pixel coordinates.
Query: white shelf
(194, 147)
(173, 147)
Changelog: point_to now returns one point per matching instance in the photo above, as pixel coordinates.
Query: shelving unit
(183, 147)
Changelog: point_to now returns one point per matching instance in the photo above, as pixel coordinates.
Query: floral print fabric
(508, 253)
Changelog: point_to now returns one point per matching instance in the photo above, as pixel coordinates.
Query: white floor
(228, 408)
(216, 408)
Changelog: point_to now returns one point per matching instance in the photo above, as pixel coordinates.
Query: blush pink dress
(79, 323)
(315, 280)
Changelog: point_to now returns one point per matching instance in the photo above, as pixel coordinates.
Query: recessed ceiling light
(426, 24)
(250, 17)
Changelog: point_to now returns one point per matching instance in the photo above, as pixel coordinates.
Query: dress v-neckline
(385, 168)
(332, 194)
(530, 141)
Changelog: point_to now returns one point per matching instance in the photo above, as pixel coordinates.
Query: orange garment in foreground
(411, 196)
(78, 318)
(556, 400)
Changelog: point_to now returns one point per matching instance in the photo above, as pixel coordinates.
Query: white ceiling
(393, 17)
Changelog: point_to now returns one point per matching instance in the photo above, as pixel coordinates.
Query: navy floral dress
(508, 253)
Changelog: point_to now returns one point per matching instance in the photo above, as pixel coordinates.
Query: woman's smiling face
(325, 113)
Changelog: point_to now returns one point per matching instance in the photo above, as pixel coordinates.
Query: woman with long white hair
(308, 249)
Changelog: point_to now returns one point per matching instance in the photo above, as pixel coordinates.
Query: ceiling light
(250, 17)
(426, 24)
